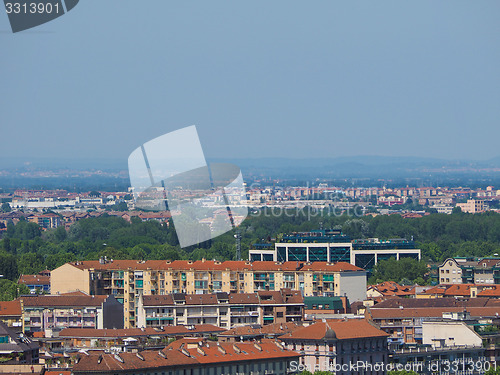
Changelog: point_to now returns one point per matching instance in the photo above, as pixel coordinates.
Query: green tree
(10, 290)
(5, 207)
(405, 270)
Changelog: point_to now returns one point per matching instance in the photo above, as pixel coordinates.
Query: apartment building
(11, 313)
(52, 313)
(16, 348)
(46, 221)
(36, 283)
(473, 206)
(336, 345)
(225, 310)
(87, 338)
(403, 318)
(129, 280)
(470, 271)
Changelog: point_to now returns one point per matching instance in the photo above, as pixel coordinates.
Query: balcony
(244, 313)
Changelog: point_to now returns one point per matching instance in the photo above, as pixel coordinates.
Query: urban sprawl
(300, 301)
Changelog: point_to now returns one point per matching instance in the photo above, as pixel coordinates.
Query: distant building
(389, 289)
(52, 313)
(445, 343)
(221, 309)
(46, 221)
(332, 246)
(16, 348)
(473, 206)
(402, 318)
(11, 313)
(470, 271)
(257, 332)
(128, 280)
(334, 345)
(443, 209)
(36, 283)
(104, 339)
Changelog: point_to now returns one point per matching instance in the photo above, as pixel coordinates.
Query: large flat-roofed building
(367, 253)
(332, 246)
(314, 246)
(128, 280)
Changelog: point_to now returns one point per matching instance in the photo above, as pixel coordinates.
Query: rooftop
(185, 352)
(336, 329)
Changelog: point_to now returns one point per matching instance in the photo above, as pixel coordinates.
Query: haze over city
(259, 79)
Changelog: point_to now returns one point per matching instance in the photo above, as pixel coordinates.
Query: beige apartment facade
(473, 206)
(470, 271)
(225, 310)
(128, 280)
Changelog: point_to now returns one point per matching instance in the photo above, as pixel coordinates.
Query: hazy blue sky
(258, 78)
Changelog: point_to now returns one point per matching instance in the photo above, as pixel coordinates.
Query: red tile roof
(63, 300)
(330, 267)
(185, 352)
(206, 265)
(274, 329)
(10, 308)
(340, 329)
(494, 291)
(34, 280)
(391, 288)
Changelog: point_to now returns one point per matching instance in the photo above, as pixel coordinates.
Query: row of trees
(25, 249)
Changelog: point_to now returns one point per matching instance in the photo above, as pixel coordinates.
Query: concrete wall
(441, 334)
(112, 314)
(352, 284)
(69, 278)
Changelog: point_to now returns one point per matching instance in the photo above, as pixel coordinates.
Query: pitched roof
(431, 312)
(331, 267)
(62, 300)
(34, 280)
(10, 308)
(157, 300)
(185, 352)
(391, 288)
(212, 352)
(340, 329)
(16, 344)
(274, 329)
(494, 291)
(207, 265)
(283, 296)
